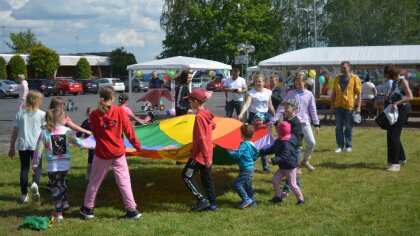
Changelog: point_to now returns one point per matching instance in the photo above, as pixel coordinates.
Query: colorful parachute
(172, 139)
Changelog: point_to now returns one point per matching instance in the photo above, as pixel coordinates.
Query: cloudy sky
(87, 25)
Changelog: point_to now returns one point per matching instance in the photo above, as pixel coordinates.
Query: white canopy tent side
(329, 58)
(175, 63)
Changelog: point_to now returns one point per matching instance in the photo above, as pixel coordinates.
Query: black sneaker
(212, 207)
(275, 200)
(300, 203)
(86, 213)
(266, 169)
(201, 205)
(132, 215)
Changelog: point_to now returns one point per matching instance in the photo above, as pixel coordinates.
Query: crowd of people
(293, 114)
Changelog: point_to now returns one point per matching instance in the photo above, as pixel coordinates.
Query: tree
(17, 66)
(120, 59)
(3, 68)
(83, 69)
(23, 42)
(43, 61)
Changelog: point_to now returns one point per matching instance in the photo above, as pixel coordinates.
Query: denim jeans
(344, 118)
(233, 105)
(243, 184)
(286, 187)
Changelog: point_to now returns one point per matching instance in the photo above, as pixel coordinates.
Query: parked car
(45, 86)
(137, 85)
(8, 88)
(199, 82)
(115, 83)
(88, 85)
(63, 86)
(216, 84)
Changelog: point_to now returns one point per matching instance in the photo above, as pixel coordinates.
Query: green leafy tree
(23, 42)
(120, 59)
(17, 66)
(43, 61)
(83, 69)
(3, 68)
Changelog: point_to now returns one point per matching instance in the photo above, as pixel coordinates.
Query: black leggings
(393, 135)
(25, 164)
(206, 180)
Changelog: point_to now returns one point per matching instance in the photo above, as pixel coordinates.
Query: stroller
(71, 106)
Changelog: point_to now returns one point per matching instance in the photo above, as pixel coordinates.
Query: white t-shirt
(239, 84)
(29, 126)
(367, 90)
(259, 102)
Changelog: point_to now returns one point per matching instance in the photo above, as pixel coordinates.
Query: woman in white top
(258, 100)
(368, 89)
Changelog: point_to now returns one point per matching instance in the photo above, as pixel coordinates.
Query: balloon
(413, 75)
(139, 73)
(280, 79)
(310, 81)
(280, 84)
(218, 72)
(160, 76)
(172, 74)
(409, 74)
(170, 112)
(331, 82)
(321, 80)
(312, 73)
(212, 73)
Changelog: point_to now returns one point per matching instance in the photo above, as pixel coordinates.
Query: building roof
(67, 60)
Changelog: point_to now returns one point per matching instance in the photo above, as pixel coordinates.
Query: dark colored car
(63, 86)
(89, 86)
(45, 86)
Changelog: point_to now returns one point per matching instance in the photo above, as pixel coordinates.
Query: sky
(79, 26)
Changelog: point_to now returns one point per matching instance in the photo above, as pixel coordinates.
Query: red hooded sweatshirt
(108, 131)
(202, 149)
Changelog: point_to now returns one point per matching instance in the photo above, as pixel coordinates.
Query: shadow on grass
(358, 165)
(155, 189)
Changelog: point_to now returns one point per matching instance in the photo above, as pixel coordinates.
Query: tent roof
(67, 60)
(333, 56)
(180, 63)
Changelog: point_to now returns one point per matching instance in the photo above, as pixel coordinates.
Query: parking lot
(8, 109)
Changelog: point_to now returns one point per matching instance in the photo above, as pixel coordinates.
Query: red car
(216, 84)
(63, 86)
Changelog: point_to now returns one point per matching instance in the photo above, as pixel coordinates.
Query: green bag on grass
(37, 222)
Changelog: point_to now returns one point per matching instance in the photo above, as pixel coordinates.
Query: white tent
(175, 63)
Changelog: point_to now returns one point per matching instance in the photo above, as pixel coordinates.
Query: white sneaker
(338, 150)
(349, 149)
(402, 163)
(24, 198)
(309, 167)
(394, 168)
(35, 192)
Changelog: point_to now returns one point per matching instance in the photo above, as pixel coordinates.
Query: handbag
(382, 121)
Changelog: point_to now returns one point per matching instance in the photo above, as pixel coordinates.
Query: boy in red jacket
(201, 153)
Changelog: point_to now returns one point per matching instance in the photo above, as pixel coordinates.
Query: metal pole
(315, 27)
(2, 37)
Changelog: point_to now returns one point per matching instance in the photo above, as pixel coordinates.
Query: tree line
(213, 28)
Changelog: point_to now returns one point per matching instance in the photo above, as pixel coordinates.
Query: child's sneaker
(212, 207)
(24, 198)
(253, 204)
(86, 213)
(58, 215)
(308, 166)
(338, 150)
(284, 194)
(65, 205)
(266, 169)
(300, 202)
(201, 204)
(35, 192)
(132, 215)
(275, 200)
(394, 168)
(246, 203)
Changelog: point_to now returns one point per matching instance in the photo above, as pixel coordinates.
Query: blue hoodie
(246, 155)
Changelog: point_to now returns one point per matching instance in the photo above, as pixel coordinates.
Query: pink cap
(284, 130)
(199, 94)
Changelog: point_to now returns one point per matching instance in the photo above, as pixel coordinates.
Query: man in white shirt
(368, 89)
(235, 87)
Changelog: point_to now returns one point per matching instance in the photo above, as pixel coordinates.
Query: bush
(3, 66)
(17, 66)
(43, 61)
(83, 69)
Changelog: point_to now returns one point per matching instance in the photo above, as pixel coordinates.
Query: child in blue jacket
(246, 155)
(286, 152)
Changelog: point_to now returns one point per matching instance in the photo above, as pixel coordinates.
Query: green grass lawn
(348, 194)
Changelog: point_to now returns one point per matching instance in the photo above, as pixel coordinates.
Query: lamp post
(246, 49)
